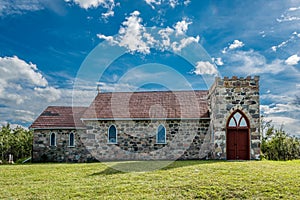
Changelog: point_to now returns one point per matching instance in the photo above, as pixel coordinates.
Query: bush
(278, 145)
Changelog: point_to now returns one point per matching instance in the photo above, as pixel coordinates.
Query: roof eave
(123, 119)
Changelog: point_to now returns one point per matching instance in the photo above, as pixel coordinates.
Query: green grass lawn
(180, 180)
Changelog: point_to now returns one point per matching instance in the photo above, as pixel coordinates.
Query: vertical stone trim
(225, 97)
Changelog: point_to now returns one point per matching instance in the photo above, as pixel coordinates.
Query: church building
(220, 123)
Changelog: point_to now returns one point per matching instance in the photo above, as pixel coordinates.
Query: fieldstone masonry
(203, 138)
(226, 96)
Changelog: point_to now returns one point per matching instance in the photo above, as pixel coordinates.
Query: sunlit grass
(180, 180)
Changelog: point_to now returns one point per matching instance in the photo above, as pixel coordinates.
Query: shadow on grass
(145, 166)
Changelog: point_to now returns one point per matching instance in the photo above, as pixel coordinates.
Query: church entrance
(237, 137)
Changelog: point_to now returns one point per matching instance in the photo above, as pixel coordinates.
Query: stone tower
(234, 112)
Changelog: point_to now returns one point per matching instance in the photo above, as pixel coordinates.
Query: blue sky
(47, 47)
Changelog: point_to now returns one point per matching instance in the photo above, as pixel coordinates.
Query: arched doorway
(238, 139)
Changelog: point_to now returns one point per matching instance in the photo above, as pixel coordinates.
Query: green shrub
(278, 145)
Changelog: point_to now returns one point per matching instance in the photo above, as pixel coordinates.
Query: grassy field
(180, 180)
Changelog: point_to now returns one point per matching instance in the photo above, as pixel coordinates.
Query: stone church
(220, 123)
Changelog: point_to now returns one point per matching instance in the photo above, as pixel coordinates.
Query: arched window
(237, 120)
(71, 140)
(161, 135)
(112, 134)
(52, 139)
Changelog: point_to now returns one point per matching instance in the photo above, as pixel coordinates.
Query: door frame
(237, 128)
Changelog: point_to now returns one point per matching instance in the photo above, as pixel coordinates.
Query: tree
(17, 141)
(278, 145)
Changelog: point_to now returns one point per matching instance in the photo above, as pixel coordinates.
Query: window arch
(112, 134)
(161, 135)
(238, 120)
(52, 139)
(71, 139)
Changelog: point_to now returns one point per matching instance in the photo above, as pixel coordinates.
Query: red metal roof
(149, 105)
(128, 105)
(59, 117)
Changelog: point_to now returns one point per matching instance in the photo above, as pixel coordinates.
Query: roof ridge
(158, 91)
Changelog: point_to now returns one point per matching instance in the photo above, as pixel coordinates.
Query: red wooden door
(237, 140)
(231, 144)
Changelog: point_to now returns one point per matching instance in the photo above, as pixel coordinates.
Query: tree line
(15, 141)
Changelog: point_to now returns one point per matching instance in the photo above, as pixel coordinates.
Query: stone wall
(136, 140)
(226, 96)
(61, 152)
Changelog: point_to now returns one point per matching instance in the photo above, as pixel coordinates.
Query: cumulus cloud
(22, 88)
(178, 46)
(218, 61)
(15, 69)
(181, 27)
(132, 35)
(205, 68)
(235, 45)
(87, 4)
(136, 38)
(293, 60)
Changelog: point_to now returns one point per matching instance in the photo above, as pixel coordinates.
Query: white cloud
(218, 61)
(183, 43)
(292, 14)
(187, 2)
(285, 43)
(251, 62)
(293, 60)
(153, 2)
(115, 87)
(13, 70)
(279, 108)
(170, 3)
(165, 34)
(110, 39)
(87, 4)
(132, 34)
(294, 8)
(285, 115)
(235, 45)
(136, 38)
(23, 88)
(181, 27)
(8, 7)
(44, 93)
(173, 3)
(205, 68)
